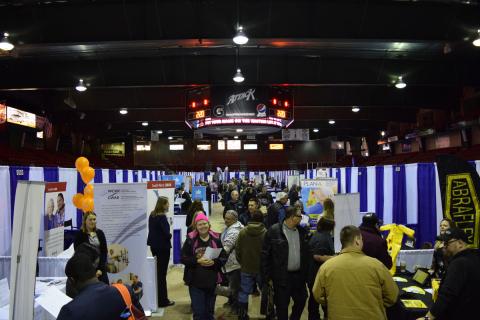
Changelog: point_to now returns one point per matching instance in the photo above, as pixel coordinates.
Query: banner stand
(26, 230)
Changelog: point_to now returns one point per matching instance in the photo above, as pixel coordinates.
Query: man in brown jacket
(353, 285)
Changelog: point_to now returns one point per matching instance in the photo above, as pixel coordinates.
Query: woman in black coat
(91, 234)
(159, 240)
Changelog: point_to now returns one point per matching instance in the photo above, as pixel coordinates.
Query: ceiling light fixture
(355, 109)
(6, 45)
(123, 111)
(382, 133)
(315, 130)
(240, 38)
(236, 137)
(238, 77)
(159, 131)
(400, 84)
(331, 121)
(145, 124)
(476, 42)
(239, 130)
(170, 138)
(80, 86)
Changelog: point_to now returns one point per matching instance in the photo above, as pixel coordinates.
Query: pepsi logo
(261, 108)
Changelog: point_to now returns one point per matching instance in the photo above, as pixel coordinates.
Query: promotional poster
(314, 193)
(54, 218)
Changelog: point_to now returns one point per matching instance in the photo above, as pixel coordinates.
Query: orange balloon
(81, 163)
(87, 204)
(87, 174)
(88, 190)
(77, 200)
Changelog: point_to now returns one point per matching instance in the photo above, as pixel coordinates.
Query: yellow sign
(281, 114)
(462, 205)
(114, 149)
(200, 114)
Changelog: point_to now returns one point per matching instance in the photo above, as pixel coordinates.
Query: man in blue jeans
(248, 253)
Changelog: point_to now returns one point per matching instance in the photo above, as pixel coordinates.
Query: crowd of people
(264, 247)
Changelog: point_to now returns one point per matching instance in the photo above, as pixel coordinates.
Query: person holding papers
(202, 267)
(159, 240)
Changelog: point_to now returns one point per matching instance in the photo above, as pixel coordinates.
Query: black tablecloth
(398, 311)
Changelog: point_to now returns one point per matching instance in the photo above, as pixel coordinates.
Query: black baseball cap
(371, 219)
(455, 233)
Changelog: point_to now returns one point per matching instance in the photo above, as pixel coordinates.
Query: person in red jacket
(373, 244)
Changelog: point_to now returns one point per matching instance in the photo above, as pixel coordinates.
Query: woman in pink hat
(201, 273)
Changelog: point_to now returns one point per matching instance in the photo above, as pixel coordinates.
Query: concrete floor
(178, 292)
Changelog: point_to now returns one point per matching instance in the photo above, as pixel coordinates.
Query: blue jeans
(247, 284)
(203, 303)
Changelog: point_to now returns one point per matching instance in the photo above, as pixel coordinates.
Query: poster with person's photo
(165, 190)
(54, 218)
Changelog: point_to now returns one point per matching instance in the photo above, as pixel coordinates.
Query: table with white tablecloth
(412, 258)
(55, 267)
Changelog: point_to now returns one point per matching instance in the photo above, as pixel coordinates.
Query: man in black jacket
(276, 212)
(285, 259)
(373, 244)
(234, 204)
(458, 295)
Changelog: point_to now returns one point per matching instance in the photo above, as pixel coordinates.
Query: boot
(243, 311)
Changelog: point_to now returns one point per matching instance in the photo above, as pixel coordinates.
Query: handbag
(132, 312)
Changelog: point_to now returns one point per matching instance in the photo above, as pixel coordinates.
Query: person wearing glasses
(285, 262)
(458, 295)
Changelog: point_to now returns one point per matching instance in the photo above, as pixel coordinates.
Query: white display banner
(347, 212)
(122, 215)
(54, 218)
(157, 189)
(291, 180)
(26, 229)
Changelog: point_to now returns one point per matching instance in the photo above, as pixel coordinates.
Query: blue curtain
(339, 180)
(17, 173)
(362, 188)
(80, 187)
(125, 176)
(379, 191)
(50, 174)
(98, 176)
(112, 175)
(144, 174)
(177, 246)
(135, 175)
(399, 215)
(427, 204)
(348, 179)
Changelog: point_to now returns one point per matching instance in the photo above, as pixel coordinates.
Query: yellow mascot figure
(394, 240)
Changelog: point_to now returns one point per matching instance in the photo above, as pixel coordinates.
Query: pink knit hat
(199, 217)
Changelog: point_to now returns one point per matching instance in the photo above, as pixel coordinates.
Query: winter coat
(249, 247)
(229, 239)
(274, 260)
(375, 246)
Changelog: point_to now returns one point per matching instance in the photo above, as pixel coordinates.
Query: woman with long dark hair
(439, 264)
(91, 234)
(159, 240)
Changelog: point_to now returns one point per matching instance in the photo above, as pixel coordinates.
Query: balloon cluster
(84, 201)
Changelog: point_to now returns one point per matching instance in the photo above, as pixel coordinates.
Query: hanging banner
(314, 193)
(239, 102)
(54, 218)
(199, 193)
(122, 215)
(460, 187)
(291, 180)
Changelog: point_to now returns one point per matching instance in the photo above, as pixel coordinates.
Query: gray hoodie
(229, 239)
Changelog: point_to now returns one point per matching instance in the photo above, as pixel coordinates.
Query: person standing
(353, 285)
(91, 234)
(234, 204)
(159, 240)
(264, 197)
(321, 250)
(284, 261)
(232, 267)
(276, 212)
(60, 214)
(248, 253)
(251, 209)
(439, 263)
(373, 244)
(187, 200)
(202, 274)
(458, 295)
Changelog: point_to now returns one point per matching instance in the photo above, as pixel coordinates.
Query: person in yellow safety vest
(394, 240)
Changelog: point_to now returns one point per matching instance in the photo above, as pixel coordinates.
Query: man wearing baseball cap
(459, 292)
